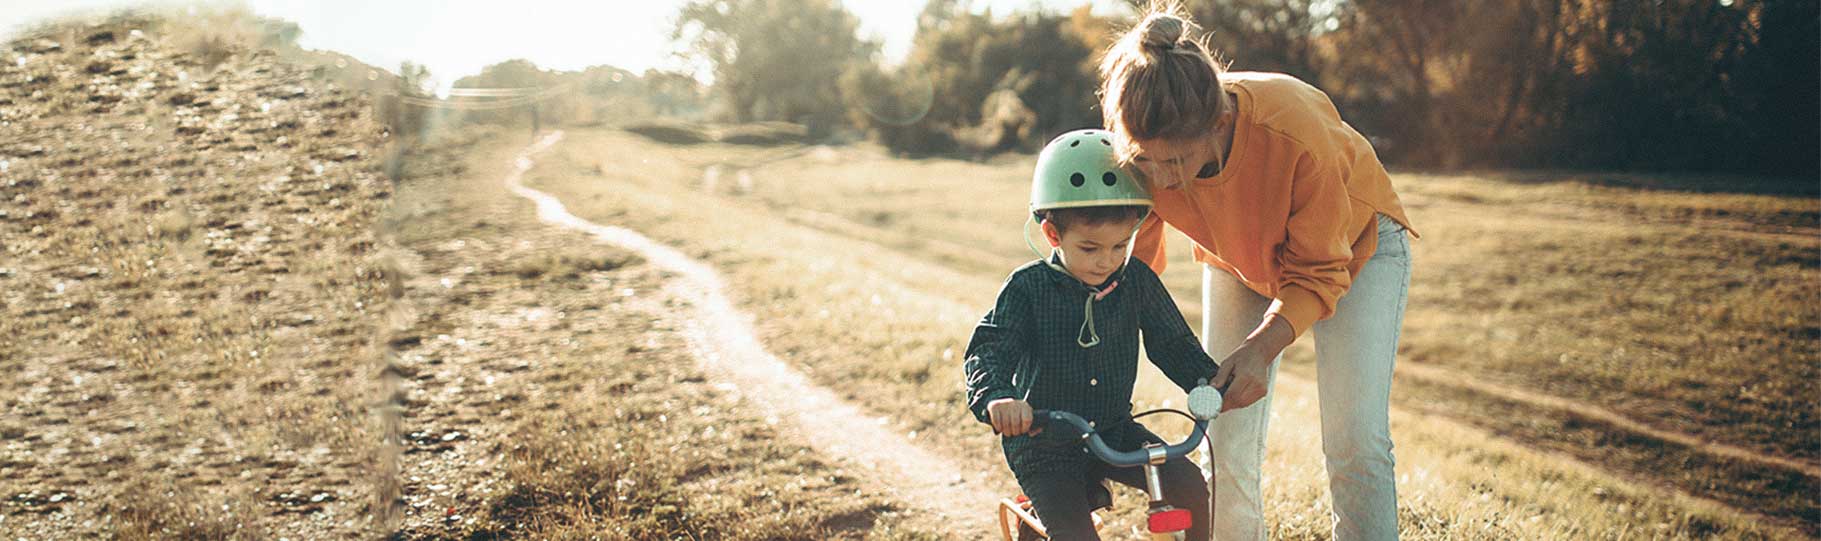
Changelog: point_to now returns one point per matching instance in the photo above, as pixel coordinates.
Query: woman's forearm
(1272, 336)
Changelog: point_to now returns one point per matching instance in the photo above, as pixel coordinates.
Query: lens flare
(901, 97)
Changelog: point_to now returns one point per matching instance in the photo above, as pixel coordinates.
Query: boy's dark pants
(1061, 498)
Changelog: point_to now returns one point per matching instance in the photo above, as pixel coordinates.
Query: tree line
(1685, 85)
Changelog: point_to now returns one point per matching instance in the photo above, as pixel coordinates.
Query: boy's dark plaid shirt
(1026, 348)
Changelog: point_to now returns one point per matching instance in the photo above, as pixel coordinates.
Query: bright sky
(455, 38)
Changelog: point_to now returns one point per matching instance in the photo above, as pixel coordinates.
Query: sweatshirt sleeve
(1167, 338)
(1149, 245)
(999, 346)
(1317, 248)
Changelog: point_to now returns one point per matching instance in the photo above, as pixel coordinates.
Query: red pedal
(1174, 520)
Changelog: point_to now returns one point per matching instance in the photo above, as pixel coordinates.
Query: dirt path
(721, 338)
(1443, 376)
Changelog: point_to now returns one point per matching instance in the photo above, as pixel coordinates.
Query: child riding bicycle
(1064, 335)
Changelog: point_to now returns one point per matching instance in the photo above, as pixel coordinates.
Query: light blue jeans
(1354, 352)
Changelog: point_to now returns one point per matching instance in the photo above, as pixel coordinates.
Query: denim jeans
(1354, 351)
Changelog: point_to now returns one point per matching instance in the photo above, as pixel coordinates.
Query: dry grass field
(1684, 312)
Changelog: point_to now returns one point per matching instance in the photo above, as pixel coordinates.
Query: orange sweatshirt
(1292, 214)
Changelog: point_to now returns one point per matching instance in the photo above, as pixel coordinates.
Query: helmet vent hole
(1078, 179)
(1073, 144)
(1109, 178)
(1103, 141)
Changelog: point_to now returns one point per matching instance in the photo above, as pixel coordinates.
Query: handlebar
(1098, 446)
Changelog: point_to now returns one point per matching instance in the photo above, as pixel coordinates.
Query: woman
(1298, 230)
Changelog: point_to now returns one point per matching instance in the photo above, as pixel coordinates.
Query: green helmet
(1079, 169)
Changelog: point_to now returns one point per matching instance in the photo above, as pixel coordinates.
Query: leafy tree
(1409, 61)
(993, 83)
(1702, 85)
(776, 59)
(1778, 78)
(894, 108)
(1623, 84)
(672, 93)
(1279, 35)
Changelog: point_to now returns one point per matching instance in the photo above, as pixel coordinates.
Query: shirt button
(1093, 381)
(1090, 424)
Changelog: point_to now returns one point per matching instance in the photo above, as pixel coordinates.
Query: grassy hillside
(189, 287)
(224, 321)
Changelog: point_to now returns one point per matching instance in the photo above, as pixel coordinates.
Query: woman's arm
(1314, 258)
(1246, 370)
(1317, 246)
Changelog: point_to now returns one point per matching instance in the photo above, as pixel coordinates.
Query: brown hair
(1064, 217)
(1159, 81)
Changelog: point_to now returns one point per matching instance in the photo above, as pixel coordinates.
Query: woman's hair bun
(1162, 30)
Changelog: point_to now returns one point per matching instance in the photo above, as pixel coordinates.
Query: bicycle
(1165, 522)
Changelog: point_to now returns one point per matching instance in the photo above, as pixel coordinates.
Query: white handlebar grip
(1204, 402)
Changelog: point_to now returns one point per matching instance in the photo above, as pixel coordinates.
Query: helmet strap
(1028, 222)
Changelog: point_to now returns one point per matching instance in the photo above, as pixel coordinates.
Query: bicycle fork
(1165, 522)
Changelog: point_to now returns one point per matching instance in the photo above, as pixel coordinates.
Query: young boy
(1064, 335)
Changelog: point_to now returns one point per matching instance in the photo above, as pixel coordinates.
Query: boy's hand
(1010, 416)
